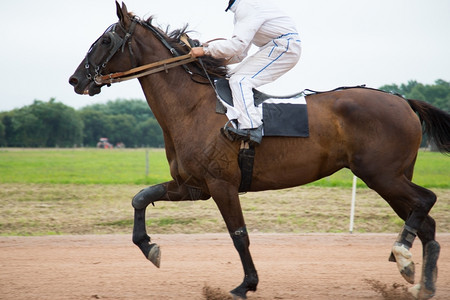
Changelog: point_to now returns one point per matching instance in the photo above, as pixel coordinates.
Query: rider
(260, 23)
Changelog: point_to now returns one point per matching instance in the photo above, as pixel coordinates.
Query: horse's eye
(106, 40)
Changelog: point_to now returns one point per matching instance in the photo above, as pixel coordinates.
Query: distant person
(260, 23)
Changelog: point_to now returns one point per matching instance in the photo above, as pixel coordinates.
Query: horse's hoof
(404, 262)
(154, 255)
(408, 272)
(239, 293)
(238, 297)
(425, 294)
(414, 290)
(420, 293)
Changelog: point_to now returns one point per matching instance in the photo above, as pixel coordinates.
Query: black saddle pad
(282, 116)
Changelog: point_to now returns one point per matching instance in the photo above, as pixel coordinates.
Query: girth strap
(246, 158)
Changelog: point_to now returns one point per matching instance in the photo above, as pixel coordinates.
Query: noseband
(117, 42)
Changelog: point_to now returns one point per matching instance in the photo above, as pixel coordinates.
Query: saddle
(282, 116)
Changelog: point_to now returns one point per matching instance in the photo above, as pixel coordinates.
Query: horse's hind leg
(426, 232)
(168, 191)
(413, 207)
(431, 248)
(412, 203)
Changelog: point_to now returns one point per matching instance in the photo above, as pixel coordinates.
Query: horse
(373, 133)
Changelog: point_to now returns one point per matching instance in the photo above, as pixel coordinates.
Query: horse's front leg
(168, 191)
(241, 242)
(227, 199)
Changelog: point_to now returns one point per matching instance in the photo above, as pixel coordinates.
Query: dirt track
(290, 266)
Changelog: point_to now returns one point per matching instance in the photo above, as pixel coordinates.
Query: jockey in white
(260, 23)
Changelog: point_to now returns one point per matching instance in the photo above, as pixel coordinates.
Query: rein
(163, 65)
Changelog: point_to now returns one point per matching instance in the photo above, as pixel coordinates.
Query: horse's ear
(122, 12)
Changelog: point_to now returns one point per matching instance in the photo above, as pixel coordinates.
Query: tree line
(131, 122)
(437, 94)
(54, 124)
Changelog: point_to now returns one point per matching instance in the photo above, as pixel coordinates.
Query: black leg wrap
(240, 240)
(241, 243)
(143, 243)
(140, 237)
(429, 267)
(241, 232)
(148, 195)
(405, 237)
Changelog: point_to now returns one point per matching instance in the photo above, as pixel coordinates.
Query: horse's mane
(215, 67)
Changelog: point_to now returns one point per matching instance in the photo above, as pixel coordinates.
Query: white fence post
(352, 209)
(147, 163)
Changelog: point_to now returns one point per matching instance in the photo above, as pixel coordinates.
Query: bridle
(117, 43)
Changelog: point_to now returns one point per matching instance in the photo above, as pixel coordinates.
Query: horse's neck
(177, 102)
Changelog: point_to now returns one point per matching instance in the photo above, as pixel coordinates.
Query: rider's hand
(197, 52)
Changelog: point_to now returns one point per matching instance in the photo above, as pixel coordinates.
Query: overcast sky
(345, 42)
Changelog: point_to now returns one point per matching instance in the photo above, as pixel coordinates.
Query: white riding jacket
(256, 22)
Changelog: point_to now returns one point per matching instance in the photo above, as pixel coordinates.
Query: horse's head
(130, 43)
(102, 59)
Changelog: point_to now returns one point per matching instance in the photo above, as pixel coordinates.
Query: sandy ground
(290, 266)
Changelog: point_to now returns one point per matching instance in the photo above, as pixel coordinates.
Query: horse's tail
(436, 123)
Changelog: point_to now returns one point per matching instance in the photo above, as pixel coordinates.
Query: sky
(345, 43)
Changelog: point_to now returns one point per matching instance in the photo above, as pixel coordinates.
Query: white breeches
(265, 66)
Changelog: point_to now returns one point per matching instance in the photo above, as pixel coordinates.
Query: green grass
(82, 166)
(432, 170)
(128, 166)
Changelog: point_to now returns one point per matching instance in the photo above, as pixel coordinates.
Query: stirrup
(256, 135)
(225, 131)
(253, 136)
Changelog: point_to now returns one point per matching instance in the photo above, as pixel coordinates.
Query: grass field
(128, 166)
(83, 166)
(85, 191)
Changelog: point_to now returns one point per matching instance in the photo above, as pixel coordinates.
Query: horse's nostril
(73, 81)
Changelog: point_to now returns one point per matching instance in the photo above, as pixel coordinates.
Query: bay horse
(373, 133)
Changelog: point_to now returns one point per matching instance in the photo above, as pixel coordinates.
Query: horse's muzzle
(83, 86)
